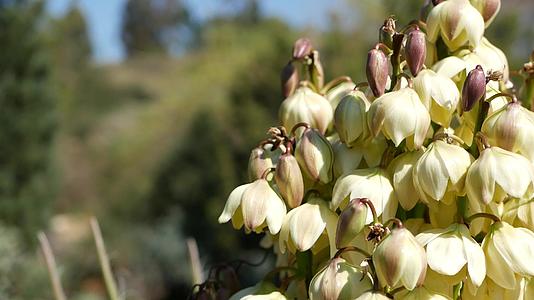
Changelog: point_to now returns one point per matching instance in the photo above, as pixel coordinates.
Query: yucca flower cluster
(417, 184)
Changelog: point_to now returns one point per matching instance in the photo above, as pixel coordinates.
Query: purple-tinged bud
(258, 162)
(377, 71)
(315, 155)
(289, 180)
(302, 48)
(436, 2)
(289, 79)
(351, 222)
(415, 50)
(474, 88)
(228, 279)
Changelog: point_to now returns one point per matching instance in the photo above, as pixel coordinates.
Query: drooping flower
(350, 118)
(259, 205)
(449, 250)
(351, 222)
(339, 280)
(401, 169)
(289, 180)
(400, 115)
(399, 260)
(306, 106)
(304, 225)
(315, 155)
(348, 159)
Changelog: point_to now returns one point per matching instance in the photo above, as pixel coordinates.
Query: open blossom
(458, 23)
(373, 184)
(509, 252)
(400, 115)
(439, 174)
(449, 250)
(347, 159)
(498, 173)
(304, 225)
(256, 205)
(401, 169)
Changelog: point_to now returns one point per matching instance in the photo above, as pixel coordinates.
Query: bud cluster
(417, 184)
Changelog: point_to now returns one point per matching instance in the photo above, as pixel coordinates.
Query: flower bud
(348, 159)
(415, 50)
(289, 180)
(497, 173)
(228, 279)
(488, 9)
(315, 156)
(399, 115)
(262, 290)
(377, 71)
(302, 48)
(289, 79)
(457, 21)
(335, 94)
(304, 225)
(306, 106)
(400, 260)
(258, 162)
(512, 128)
(474, 88)
(439, 174)
(350, 118)
(373, 184)
(509, 251)
(339, 280)
(351, 222)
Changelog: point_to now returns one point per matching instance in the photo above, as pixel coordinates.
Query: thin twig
(104, 260)
(59, 293)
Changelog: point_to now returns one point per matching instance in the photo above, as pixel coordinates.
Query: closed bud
(509, 252)
(258, 162)
(458, 23)
(377, 71)
(335, 94)
(228, 279)
(399, 260)
(474, 88)
(315, 156)
(317, 72)
(302, 48)
(261, 291)
(289, 79)
(350, 118)
(415, 50)
(512, 128)
(306, 106)
(289, 180)
(339, 280)
(351, 222)
(400, 115)
(436, 2)
(488, 9)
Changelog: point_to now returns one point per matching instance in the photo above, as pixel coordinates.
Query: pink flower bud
(474, 88)
(289, 180)
(377, 71)
(289, 79)
(415, 50)
(302, 48)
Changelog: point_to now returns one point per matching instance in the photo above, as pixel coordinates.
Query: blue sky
(104, 17)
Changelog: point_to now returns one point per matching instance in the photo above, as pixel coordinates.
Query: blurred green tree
(27, 119)
(155, 26)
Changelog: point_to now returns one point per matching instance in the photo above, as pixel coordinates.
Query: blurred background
(143, 113)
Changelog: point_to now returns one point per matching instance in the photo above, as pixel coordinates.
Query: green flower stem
(353, 249)
(395, 59)
(494, 218)
(305, 266)
(59, 293)
(371, 206)
(104, 261)
(482, 113)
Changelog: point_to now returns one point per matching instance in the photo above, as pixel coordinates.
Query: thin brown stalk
(59, 293)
